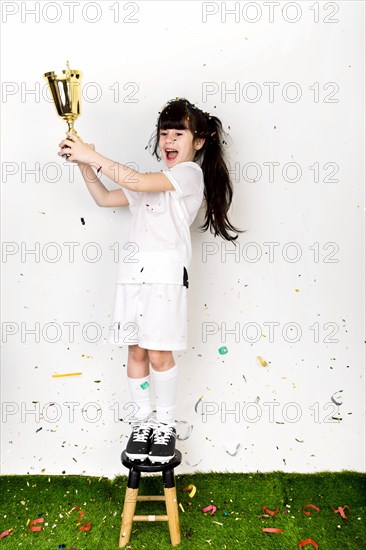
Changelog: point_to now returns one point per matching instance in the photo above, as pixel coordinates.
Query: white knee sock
(140, 393)
(165, 385)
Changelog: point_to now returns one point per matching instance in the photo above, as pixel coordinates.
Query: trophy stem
(70, 123)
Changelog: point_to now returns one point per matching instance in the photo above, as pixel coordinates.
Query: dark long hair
(178, 114)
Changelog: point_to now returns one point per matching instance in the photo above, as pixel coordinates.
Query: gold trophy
(66, 94)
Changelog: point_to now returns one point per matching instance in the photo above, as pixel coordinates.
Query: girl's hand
(76, 150)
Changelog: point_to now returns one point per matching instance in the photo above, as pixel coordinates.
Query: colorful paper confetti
(192, 488)
(34, 522)
(310, 506)
(208, 508)
(6, 533)
(340, 511)
(270, 512)
(66, 374)
(308, 541)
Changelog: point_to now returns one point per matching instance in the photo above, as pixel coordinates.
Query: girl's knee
(137, 354)
(161, 360)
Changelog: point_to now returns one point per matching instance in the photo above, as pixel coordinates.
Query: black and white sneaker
(162, 442)
(138, 445)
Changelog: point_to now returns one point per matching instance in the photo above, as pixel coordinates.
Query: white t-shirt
(159, 243)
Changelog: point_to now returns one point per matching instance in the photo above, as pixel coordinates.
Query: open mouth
(171, 153)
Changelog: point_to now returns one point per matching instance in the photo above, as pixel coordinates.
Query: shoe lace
(162, 434)
(141, 432)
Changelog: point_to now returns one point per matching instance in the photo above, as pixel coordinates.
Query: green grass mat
(237, 523)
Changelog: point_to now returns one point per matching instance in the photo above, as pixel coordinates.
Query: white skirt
(152, 315)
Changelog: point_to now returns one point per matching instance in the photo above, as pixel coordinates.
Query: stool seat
(132, 497)
(146, 466)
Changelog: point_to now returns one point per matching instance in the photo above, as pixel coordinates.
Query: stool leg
(127, 516)
(173, 515)
(129, 507)
(171, 506)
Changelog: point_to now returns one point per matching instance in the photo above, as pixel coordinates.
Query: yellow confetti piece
(66, 374)
(86, 356)
(181, 507)
(193, 490)
(261, 361)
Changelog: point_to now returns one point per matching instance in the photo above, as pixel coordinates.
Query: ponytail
(218, 187)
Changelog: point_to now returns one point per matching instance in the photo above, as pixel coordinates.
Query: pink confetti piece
(6, 533)
(310, 506)
(340, 510)
(271, 530)
(208, 508)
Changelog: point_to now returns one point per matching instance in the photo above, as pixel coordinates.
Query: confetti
(66, 374)
(308, 541)
(223, 350)
(192, 489)
(33, 522)
(261, 361)
(310, 506)
(335, 400)
(195, 464)
(340, 510)
(270, 512)
(183, 435)
(6, 533)
(196, 405)
(208, 508)
(235, 451)
(144, 385)
(271, 530)
(181, 507)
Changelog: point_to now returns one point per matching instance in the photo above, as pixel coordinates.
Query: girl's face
(180, 143)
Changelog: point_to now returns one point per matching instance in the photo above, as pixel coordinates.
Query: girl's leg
(139, 380)
(164, 374)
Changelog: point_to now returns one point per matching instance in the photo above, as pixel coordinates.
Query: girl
(150, 303)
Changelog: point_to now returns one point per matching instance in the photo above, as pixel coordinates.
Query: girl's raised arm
(125, 176)
(101, 195)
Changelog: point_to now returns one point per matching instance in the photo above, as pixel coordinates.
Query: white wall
(169, 51)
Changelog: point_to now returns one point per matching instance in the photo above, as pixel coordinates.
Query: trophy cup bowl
(66, 94)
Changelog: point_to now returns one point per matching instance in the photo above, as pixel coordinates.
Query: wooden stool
(169, 497)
